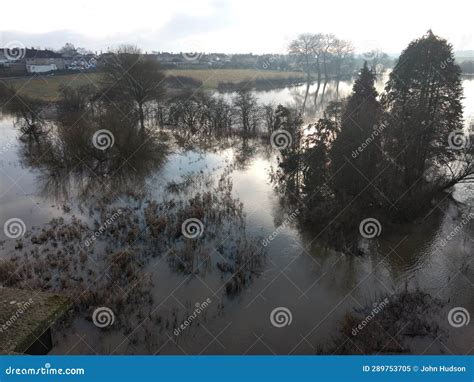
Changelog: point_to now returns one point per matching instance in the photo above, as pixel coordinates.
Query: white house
(41, 68)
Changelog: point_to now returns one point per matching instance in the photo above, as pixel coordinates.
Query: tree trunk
(319, 83)
(338, 79)
(324, 91)
(306, 95)
(142, 116)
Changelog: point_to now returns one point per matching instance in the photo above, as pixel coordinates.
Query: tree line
(322, 56)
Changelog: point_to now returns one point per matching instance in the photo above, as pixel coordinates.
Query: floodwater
(315, 284)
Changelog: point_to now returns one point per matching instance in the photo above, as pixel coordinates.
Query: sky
(231, 26)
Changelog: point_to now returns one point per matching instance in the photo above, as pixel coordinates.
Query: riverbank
(47, 87)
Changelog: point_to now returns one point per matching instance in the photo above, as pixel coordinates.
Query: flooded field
(243, 278)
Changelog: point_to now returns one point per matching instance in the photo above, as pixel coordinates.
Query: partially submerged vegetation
(61, 256)
(391, 327)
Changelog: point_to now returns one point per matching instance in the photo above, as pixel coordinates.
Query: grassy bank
(47, 87)
(212, 77)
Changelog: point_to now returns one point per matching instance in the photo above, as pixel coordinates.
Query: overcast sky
(231, 26)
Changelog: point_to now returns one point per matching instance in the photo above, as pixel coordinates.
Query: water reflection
(317, 101)
(294, 96)
(69, 164)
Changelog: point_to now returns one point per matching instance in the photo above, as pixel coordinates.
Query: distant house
(184, 60)
(30, 61)
(43, 61)
(164, 57)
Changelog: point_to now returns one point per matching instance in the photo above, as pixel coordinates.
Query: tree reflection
(69, 160)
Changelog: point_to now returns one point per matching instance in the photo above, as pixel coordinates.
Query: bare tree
(130, 75)
(246, 106)
(378, 61)
(328, 45)
(218, 114)
(68, 49)
(341, 49)
(318, 51)
(269, 117)
(303, 48)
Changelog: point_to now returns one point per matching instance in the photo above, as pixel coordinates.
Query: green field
(47, 87)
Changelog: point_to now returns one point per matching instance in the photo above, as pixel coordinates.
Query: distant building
(191, 60)
(43, 61)
(30, 61)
